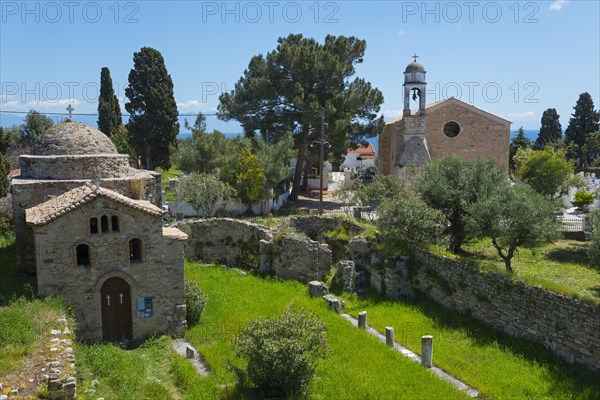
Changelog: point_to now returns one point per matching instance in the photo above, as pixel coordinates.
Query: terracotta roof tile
(363, 150)
(74, 198)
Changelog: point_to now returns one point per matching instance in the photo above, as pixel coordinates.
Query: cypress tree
(550, 130)
(109, 114)
(583, 121)
(153, 122)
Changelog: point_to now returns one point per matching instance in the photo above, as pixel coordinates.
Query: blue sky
(513, 59)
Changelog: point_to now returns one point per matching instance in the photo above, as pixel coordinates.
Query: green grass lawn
(358, 367)
(22, 323)
(561, 267)
(499, 366)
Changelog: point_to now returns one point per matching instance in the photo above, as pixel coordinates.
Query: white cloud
(391, 114)
(42, 105)
(557, 5)
(404, 32)
(520, 116)
(192, 105)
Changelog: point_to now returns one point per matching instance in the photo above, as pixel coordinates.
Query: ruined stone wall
(225, 241)
(159, 274)
(564, 325)
(294, 257)
(242, 244)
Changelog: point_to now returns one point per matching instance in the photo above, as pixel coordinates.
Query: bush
(6, 226)
(582, 198)
(282, 351)
(195, 300)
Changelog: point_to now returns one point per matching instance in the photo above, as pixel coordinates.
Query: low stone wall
(242, 244)
(224, 241)
(293, 257)
(567, 327)
(59, 370)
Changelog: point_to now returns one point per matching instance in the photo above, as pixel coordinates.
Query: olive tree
(204, 192)
(514, 216)
(451, 184)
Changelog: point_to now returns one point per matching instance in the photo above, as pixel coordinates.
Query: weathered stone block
(317, 289)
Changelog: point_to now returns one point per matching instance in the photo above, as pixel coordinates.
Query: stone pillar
(426, 351)
(362, 319)
(189, 352)
(389, 336)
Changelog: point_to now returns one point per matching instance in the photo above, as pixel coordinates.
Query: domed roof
(414, 67)
(73, 138)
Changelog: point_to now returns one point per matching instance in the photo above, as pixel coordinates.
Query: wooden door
(116, 310)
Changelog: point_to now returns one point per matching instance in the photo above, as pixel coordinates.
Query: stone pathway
(471, 392)
(186, 350)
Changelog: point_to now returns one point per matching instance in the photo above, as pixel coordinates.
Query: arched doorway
(116, 310)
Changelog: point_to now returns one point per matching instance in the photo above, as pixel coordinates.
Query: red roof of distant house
(364, 151)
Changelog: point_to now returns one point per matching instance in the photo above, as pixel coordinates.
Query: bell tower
(411, 144)
(414, 86)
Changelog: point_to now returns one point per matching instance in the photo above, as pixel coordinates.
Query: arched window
(114, 222)
(93, 225)
(83, 255)
(135, 251)
(104, 223)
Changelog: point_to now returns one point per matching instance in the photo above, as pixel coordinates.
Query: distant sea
(11, 119)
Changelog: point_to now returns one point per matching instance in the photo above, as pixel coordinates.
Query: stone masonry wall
(159, 273)
(242, 244)
(224, 241)
(29, 193)
(479, 136)
(567, 327)
(75, 166)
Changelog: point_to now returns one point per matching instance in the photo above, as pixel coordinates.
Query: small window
(451, 129)
(83, 255)
(93, 225)
(135, 251)
(114, 222)
(104, 223)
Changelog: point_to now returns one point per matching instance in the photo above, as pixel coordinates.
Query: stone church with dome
(90, 227)
(435, 130)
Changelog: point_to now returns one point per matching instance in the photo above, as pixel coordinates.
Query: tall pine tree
(550, 130)
(153, 124)
(109, 113)
(287, 89)
(582, 123)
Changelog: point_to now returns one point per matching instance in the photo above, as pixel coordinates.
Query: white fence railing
(572, 223)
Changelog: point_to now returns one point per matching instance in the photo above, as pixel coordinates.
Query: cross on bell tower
(415, 56)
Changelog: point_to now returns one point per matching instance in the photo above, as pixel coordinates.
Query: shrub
(195, 300)
(581, 199)
(6, 226)
(282, 351)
